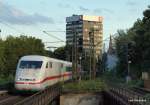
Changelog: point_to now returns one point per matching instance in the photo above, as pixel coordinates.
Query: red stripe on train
(47, 78)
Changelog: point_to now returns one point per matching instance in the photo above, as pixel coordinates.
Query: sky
(32, 17)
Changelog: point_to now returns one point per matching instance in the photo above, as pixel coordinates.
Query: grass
(113, 80)
(135, 83)
(85, 86)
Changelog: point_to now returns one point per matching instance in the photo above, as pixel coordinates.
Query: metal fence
(129, 97)
(114, 96)
(110, 98)
(43, 97)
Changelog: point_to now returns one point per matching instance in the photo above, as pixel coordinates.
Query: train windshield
(30, 64)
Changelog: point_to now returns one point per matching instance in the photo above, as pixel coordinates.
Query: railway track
(11, 99)
(140, 91)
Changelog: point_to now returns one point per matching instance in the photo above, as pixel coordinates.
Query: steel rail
(11, 99)
(131, 97)
(141, 91)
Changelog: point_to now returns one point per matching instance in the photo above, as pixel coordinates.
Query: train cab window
(30, 64)
(50, 64)
(47, 65)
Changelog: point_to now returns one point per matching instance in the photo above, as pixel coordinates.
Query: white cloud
(13, 15)
(83, 9)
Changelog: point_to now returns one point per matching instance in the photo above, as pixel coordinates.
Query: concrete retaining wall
(81, 99)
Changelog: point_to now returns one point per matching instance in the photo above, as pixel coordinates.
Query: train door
(49, 72)
(46, 73)
(56, 72)
(62, 71)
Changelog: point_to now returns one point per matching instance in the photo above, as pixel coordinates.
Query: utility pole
(80, 55)
(74, 55)
(92, 55)
(90, 51)
(0, 34)
(128, 78)
(80, 73)
(73, 61)
(67, 52)
(93, 51)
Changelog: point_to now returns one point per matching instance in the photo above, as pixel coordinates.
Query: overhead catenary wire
(53, 36)
(11, 27)
(55, 31)
(46, 32)
(20, 32)
(54, 42)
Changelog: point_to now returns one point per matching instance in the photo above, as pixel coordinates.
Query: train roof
(39, 57)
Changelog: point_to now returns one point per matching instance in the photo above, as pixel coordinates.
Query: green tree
(49, 53)
(16, 47)
(2, 59)
(139, 36)
(60, 53)
(104, 62)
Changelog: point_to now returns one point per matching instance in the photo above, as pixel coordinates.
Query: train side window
(50, 64)
(68, 68)
(61, 65)
(47, 65)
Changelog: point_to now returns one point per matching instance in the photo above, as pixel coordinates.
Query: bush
(85, 85)
(4, 79)
(135, 83)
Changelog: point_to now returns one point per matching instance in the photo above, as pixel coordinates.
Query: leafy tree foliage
(49, 53)
(63, 53)
(104, 62)
(134, 44)
(2, 59)
(60, 53)
(13, 48)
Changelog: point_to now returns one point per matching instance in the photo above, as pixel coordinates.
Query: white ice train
(36, 72)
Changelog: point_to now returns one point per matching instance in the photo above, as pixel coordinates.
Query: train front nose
(28, 80)
(31, 86)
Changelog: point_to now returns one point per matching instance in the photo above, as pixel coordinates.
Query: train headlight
(25, 79)
(19, 79)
